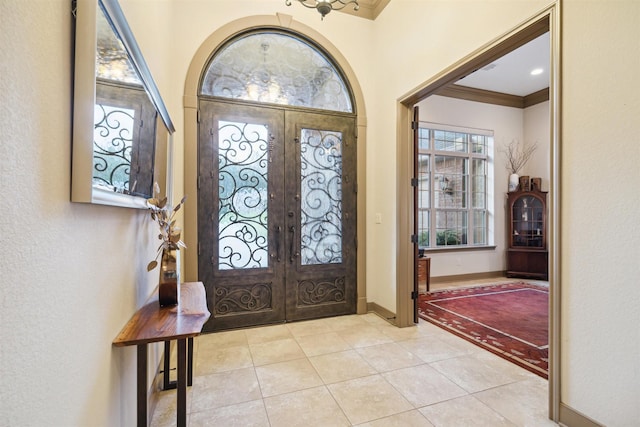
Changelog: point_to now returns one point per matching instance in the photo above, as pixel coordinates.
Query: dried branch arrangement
(518, 155)
(165, 217)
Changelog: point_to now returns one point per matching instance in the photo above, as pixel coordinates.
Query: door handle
(278, 237)
(292, 254)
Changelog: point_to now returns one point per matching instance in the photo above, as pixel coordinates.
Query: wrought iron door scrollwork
(112, 146)
(236, 299)
(243, 201)
(321, 204)
(321, 292)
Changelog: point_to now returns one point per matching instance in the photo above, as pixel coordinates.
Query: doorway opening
(547, 21)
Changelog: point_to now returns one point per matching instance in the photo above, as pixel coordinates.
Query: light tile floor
(355, 370)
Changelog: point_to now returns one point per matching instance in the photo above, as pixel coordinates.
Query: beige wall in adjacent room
(537, 131)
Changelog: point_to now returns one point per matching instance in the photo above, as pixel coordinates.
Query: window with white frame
(453, 171)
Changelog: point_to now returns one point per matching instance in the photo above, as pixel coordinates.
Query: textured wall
(600, 201)
(71, 274)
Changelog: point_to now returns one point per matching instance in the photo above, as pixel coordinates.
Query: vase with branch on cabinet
(169, 249)
(517, 156)
(514, 180)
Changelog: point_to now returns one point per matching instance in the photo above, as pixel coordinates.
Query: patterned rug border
(485, 345)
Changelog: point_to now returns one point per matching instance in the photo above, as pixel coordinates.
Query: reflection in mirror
(121, 144)
(124, 120)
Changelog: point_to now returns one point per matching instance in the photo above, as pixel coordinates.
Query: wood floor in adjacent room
(354, 370)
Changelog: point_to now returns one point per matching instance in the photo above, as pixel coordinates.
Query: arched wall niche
(190, 105)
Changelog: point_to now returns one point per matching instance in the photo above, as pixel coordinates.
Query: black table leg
(142, 385)
(190, 361)
(182, 383)
(166, 383)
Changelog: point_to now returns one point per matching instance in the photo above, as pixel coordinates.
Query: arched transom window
(278, 68)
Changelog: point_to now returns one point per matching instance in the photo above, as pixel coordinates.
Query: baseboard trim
(470, 276)
(361, 307)
(387, 315)
(570, 417)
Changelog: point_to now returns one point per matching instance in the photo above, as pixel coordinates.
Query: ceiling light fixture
(325, 6)
(536, 71)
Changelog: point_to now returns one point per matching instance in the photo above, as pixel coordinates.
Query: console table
(152, 323)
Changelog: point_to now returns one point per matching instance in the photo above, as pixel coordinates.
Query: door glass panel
(276, 68)
(243, 203)
(321, 197)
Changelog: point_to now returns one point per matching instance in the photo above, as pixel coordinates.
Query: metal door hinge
(414, 125)
(414, 238)
(414, 182)
(414, 295)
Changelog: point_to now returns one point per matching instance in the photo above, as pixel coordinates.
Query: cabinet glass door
(528, 222)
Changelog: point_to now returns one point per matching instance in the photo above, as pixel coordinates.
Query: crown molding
(536, 97)
(490, 97)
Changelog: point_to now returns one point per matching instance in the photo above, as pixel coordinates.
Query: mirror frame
(82, 188)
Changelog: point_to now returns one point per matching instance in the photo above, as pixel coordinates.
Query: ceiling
(511, 74)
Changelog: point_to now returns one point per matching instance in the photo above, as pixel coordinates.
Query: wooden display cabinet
(527, 254)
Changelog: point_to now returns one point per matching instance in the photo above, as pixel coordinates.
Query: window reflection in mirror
(121, 129)
(124, 120)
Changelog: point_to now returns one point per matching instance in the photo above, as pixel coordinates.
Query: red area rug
(510, 320)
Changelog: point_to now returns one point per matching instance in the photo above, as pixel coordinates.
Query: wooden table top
(152, 323)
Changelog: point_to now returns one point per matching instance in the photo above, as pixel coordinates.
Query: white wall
(600, 171)
(507, 123)
(71, 274)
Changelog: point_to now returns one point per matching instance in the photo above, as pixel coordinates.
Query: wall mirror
(121, 127)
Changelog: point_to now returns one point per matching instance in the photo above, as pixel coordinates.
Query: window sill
(459, 249)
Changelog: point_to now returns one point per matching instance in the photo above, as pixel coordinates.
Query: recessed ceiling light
(536, 71)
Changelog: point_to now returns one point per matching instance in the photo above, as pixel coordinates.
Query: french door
(276, 214)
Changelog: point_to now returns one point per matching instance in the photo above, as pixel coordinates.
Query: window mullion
(432, 192)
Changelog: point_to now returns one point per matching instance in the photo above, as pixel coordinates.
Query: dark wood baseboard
(470, 276)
